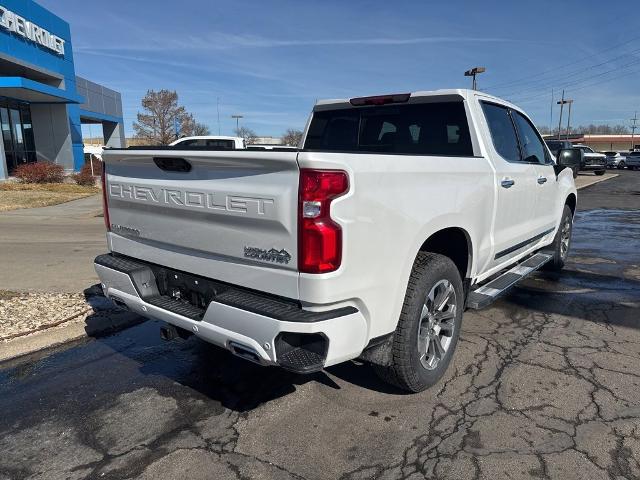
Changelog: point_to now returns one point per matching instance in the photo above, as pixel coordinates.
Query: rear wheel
(429, 325)
(621, 165)
(599, 172)
(561, 242)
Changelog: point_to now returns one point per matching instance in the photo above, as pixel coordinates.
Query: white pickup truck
(218, 142)
(399, 212)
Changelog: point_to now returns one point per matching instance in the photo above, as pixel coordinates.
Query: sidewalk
(587, 180)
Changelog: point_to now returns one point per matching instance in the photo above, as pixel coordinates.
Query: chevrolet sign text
(16, 24)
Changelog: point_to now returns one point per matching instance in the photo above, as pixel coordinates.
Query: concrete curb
(95, 324)
(604, 178)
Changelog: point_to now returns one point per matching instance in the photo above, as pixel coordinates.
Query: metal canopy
(26, 90)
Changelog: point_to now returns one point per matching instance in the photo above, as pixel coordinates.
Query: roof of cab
(465, 93)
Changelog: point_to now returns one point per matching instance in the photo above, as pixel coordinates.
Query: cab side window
(502, 130)
(532, 145)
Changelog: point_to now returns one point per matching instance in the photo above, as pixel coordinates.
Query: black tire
(406, 370)
(599, 172)
(559, 254)
(575, 173)
(621, 165)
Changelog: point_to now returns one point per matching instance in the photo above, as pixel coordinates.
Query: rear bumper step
(260, 303)
(259, 327)
(483, 296)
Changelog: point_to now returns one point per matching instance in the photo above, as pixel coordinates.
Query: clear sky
(270, 60)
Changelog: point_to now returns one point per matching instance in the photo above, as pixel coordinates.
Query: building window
(17, 134)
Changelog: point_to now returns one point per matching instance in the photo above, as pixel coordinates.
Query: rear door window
(421, 129)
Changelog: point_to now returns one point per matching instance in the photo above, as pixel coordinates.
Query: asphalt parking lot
(544, 384)
(52, 248)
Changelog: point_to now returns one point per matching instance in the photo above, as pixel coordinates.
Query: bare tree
(246, 133)
(190, 127)
(592, 129)
(163, 120)
(292, 137)
(620, 129)
(201, 129)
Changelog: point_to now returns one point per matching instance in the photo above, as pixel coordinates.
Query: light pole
(472, 73)
(237, 117)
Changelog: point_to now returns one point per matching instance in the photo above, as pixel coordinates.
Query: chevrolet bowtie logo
(273, 255)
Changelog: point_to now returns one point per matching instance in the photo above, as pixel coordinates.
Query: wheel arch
(454, 243)
(571, 202)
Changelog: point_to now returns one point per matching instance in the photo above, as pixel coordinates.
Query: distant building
(603, 143)
(43, 104)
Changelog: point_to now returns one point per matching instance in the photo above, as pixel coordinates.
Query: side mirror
(568, 158)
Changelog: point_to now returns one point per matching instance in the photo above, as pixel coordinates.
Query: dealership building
(43, 104)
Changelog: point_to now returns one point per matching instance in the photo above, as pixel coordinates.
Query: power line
(555, 79)
(582, 87)
(555, 69)
(578, 82)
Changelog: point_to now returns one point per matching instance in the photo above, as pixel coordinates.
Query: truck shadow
(212, 371)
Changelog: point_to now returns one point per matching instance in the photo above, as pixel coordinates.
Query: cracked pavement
(544, 384)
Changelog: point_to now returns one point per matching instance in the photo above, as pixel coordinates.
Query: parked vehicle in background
(633, 160)
(615, 160)
(399, 212)
(592, 161)
(556, 145)
(92, 152)
(278, 148)
(212, 141)
(93, 157)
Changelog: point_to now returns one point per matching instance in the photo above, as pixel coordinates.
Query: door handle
(542, 180)
(507, 183)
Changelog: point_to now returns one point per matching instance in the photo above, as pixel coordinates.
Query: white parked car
(399, 212)
(615, 160)
(212, 141)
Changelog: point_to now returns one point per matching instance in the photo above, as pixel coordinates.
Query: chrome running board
(486, 294)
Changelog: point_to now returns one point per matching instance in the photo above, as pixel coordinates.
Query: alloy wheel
(437, 323)
(565, 237)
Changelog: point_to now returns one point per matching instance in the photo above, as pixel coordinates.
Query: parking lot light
(472, 73)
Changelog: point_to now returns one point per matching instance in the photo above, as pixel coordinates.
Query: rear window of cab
(439, 128)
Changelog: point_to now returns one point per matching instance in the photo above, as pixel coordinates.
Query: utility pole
(218, 109)
(237, 117)
(633, 130)
(570, 102)
(561, 103)
(551, 113)
(472, 73)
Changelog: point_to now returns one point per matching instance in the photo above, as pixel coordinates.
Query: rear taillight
(319, 237)
(105, 205)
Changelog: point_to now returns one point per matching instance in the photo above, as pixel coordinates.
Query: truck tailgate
(233, 208)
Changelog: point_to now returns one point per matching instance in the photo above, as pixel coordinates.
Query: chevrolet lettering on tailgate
(193, 199)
